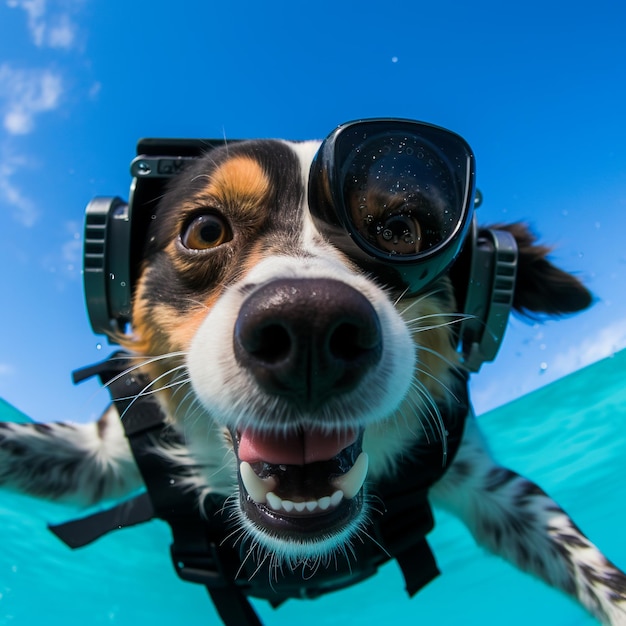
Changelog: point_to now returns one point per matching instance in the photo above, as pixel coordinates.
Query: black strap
(408, 518)
(199, 550)
(418, 566)
(402, 530)
(80, 532)
(195, 550)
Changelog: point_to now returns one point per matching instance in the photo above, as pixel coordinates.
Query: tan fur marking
(241, 182)
(181, 330)
(172, 332)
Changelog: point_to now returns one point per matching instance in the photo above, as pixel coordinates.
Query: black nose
(307, 339)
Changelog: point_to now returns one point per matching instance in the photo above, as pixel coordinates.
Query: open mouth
(303, 484)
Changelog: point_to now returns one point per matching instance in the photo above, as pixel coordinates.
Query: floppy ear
(542, 287)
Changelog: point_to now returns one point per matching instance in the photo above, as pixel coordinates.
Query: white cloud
(35, 10)
(24, 210)
(62, 34)
(606, 342)
(26, 93)
(72, 249)
(500, 387)
(63, 261)
(95, 90)
(52, 31)
(6, 369)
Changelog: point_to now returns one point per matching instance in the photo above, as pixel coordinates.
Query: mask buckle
(489, 298)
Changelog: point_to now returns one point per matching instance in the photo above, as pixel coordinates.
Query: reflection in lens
(400, 234)
(402, 195)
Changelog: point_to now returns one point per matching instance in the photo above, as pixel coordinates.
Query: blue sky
(536, 88)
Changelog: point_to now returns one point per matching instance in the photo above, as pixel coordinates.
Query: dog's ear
(541, 287)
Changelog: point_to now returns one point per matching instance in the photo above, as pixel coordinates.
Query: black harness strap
(195, 549)
(408, 518)
(201, 551)
(403, 529)
(81, 532)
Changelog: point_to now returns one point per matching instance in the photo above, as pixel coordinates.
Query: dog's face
(282, 349)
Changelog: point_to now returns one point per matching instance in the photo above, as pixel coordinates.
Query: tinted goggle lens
(397, 192)
(400, 195)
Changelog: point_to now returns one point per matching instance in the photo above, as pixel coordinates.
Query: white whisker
(415, 327)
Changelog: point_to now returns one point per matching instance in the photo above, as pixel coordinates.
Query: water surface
(570, 437)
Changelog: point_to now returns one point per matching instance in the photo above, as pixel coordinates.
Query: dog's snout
(307, 339)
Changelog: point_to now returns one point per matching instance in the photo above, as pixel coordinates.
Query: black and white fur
(186, 310)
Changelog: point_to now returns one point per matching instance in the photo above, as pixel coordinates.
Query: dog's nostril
(272, 344)
(349, 342)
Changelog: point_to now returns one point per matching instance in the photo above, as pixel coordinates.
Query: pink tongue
(293, 449)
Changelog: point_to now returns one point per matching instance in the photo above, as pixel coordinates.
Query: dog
(298, 379)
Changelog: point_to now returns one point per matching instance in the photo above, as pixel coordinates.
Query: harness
(202, 549)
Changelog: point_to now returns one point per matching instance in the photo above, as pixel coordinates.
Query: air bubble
(543, 367)
(98, 346)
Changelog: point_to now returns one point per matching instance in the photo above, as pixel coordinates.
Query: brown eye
(205, 232)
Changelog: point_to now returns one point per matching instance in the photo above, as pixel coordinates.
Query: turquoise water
(570, 437)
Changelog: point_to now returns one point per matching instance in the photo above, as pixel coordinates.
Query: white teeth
(336, 498)
(351, 482)
(258, 488)
(323, 504)
(346, 486)
(274, 501)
